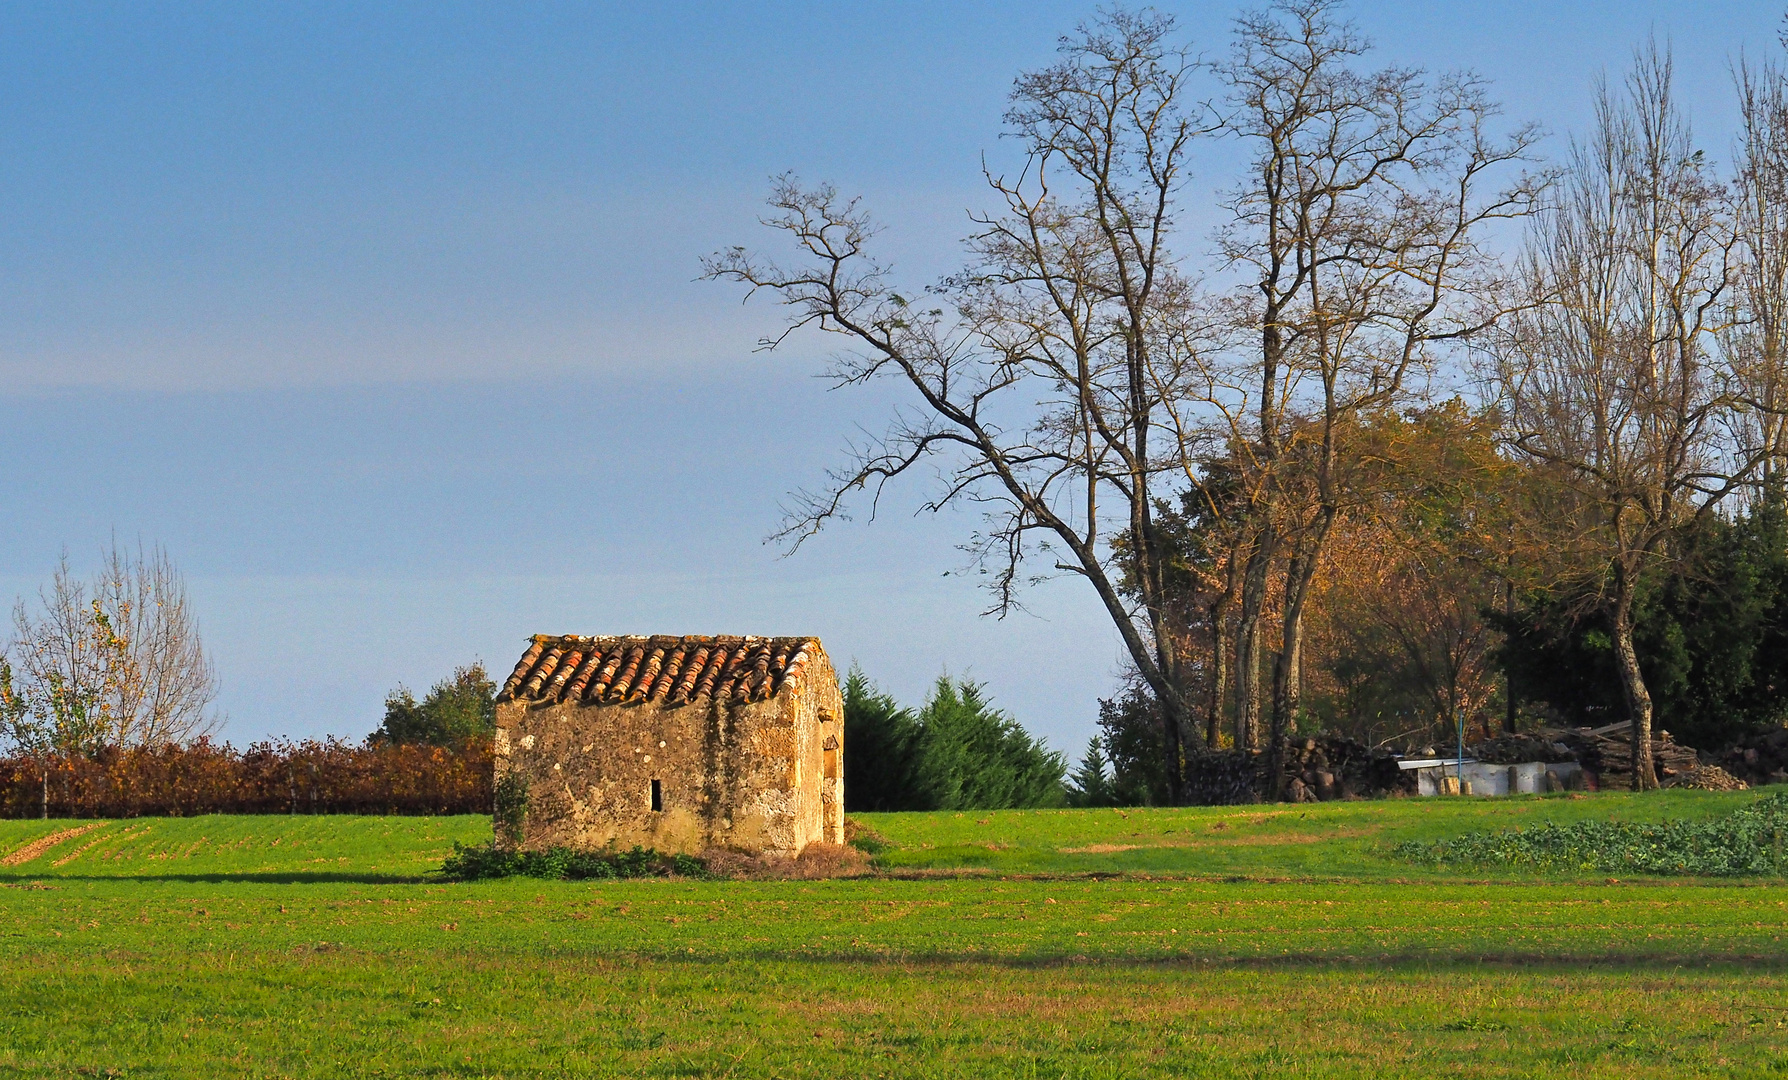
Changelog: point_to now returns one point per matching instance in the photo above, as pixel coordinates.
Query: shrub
(1090, 783)
(881, 742)
(483, 862)
(956, 753)
(458, 708)
(864, 839)
(1748, 841)
(1134, 742)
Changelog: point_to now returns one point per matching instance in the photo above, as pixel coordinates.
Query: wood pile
(1317, 769)
(1331, 767)
(1224, 777)
(1709, 778)
(1520, 747)
(1607, 756)
(1758, 758)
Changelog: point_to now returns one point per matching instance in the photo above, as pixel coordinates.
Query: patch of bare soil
(816, 861)
(26, 852)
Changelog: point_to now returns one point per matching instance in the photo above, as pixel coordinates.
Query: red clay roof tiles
(677, 670)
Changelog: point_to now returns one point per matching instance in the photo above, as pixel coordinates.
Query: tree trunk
(1176, 718)
(1508, 667)
(1220, 646)
(1288, 688)
(46, 793)
(1254, 582)
(1174, 724)
(1632, 682)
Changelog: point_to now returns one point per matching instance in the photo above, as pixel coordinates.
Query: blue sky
(383, 319)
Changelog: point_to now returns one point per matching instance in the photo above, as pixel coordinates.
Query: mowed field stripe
(102, 838)
(27, 852)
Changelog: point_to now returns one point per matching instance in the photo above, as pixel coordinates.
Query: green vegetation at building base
(484, 862)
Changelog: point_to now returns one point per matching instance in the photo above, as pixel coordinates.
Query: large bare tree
(1359, 228)
(1614, 377)
(1035, 378)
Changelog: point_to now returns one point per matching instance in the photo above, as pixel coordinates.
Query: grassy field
(1241, 941)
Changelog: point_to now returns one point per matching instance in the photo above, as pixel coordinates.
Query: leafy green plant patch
(1748, 841)
(482, 862)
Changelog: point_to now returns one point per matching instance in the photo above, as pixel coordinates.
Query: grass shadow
(1408, 960)
(282, 877)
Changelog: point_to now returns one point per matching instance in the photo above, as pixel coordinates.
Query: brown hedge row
(329, 777)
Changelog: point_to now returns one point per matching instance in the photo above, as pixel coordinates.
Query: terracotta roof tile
(679, 670)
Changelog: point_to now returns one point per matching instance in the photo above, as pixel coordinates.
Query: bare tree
(115, 663)
(1035, 378)
(1614, 377)
(1755, 338)
(168, 682)
(1359, 227)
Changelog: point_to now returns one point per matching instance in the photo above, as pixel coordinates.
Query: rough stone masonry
(682, 744)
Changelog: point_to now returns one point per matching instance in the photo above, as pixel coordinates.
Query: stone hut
(675, 743)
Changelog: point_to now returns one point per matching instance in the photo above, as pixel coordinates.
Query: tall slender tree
(1359, 229)
(1613, 376)
(1755, 337)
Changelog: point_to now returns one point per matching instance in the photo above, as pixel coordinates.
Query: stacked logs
(1329, 767)
(1317, 769)
(1224, 777)
(1515, 748)
(1607, 756)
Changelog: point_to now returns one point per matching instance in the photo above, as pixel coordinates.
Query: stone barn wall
(679, 744)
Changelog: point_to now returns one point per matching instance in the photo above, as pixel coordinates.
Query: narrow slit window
(657, 797)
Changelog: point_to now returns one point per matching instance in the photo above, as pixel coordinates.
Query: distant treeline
(956, 752)
(328, 777)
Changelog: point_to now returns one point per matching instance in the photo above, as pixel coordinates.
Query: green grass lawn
(1237, 941)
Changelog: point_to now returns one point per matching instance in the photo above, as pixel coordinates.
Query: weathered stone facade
(677, 743)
